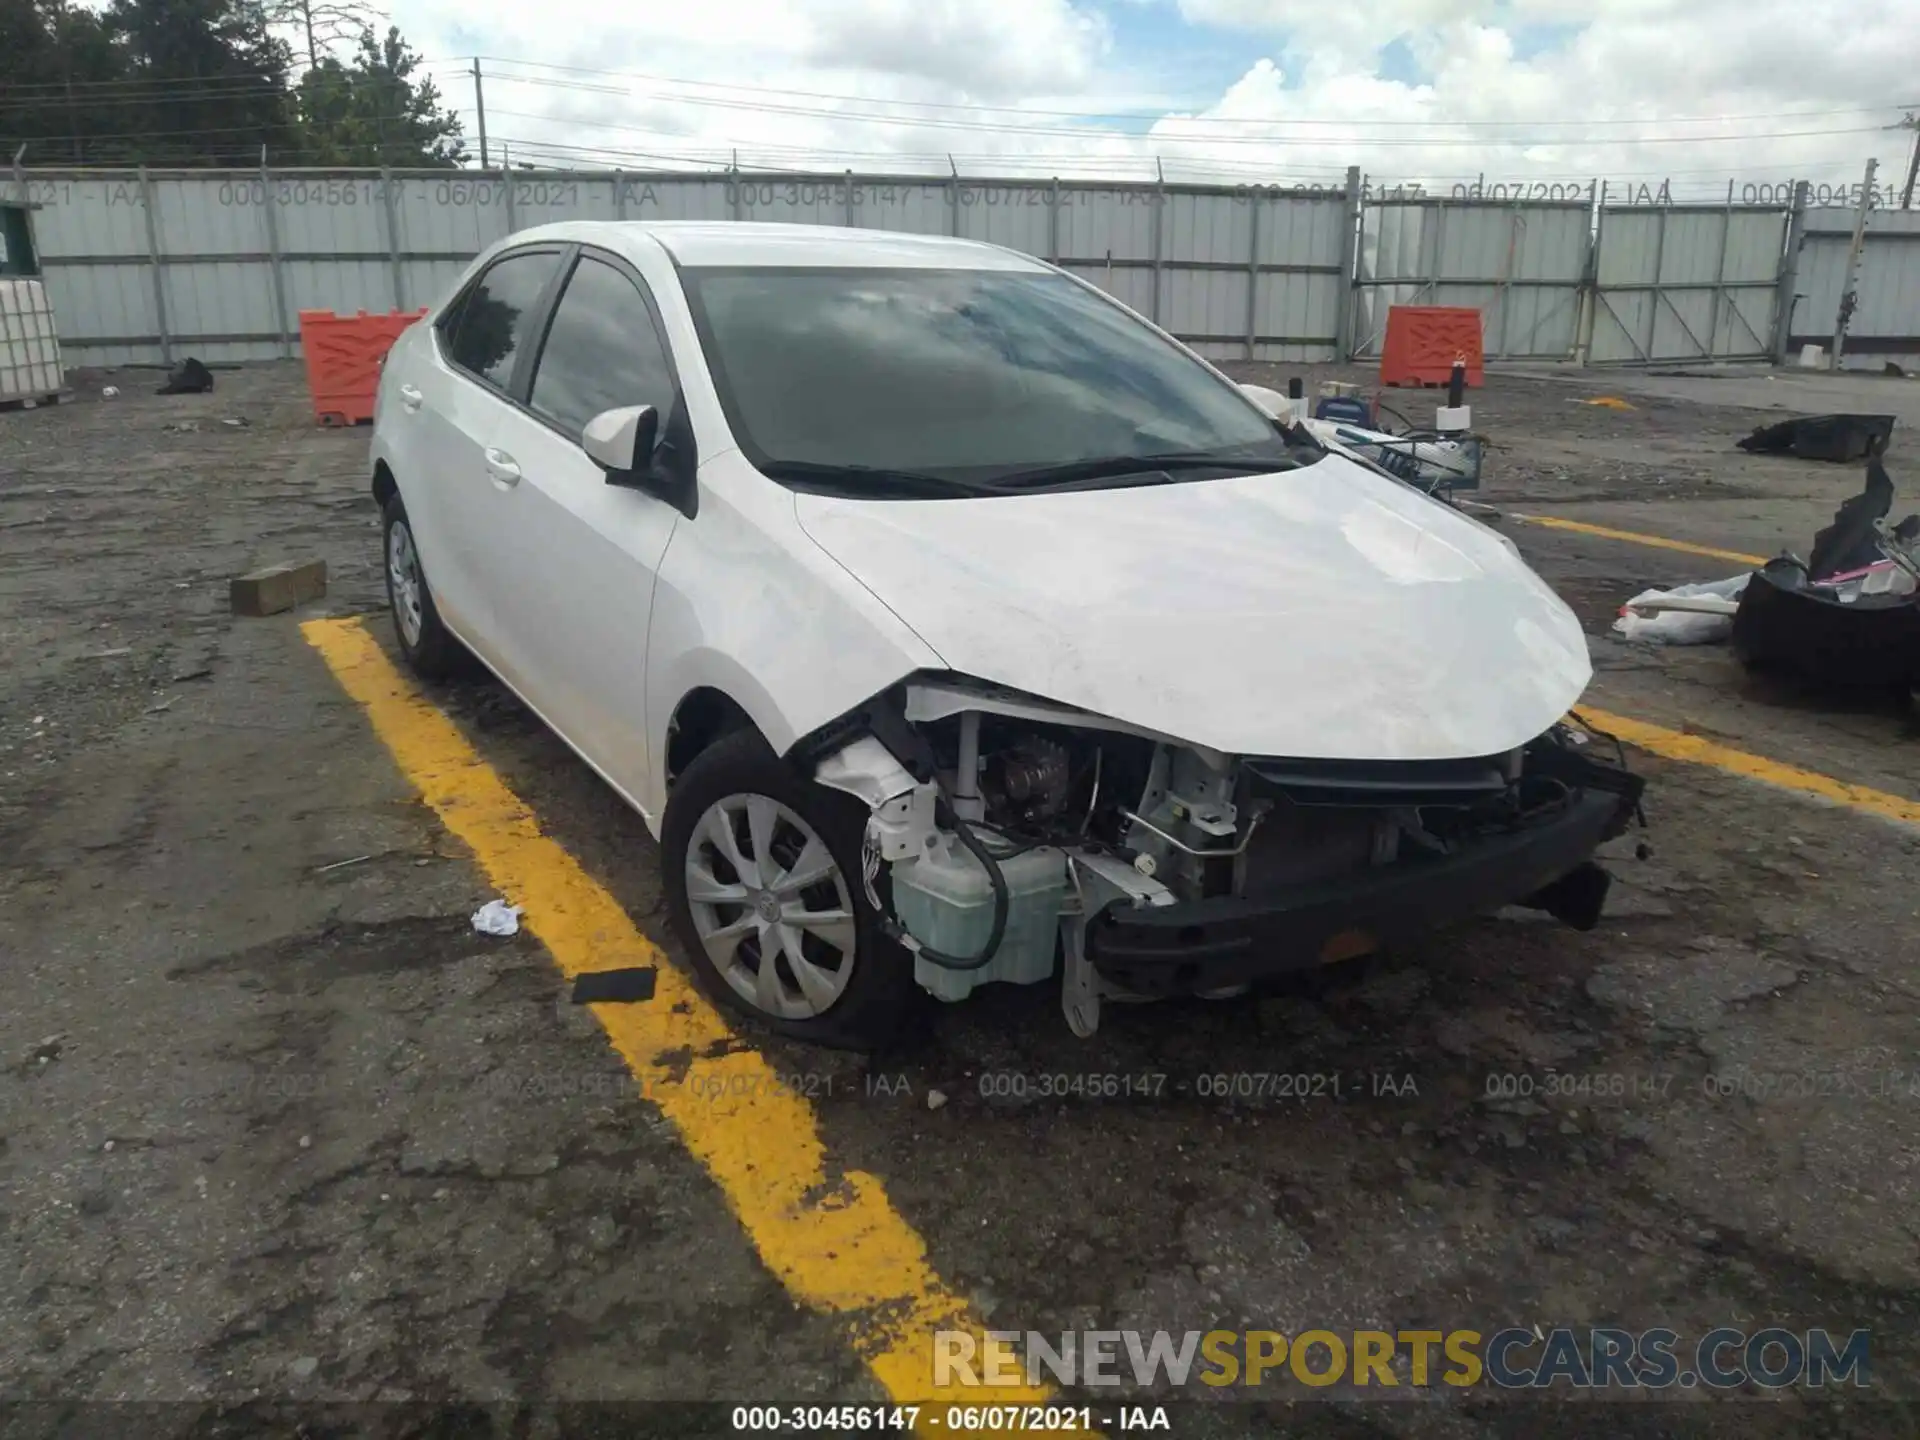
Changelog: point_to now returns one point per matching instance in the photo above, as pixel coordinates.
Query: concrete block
(278, 587)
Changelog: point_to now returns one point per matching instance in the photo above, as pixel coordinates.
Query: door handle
(502, 467)
(411, 397)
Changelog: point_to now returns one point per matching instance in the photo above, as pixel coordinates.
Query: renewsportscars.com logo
(1588, 1358)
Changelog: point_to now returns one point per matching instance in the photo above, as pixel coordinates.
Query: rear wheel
(763, 881)
(429, 647)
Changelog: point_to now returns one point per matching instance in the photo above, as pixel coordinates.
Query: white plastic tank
(30, 367)
(945, 900)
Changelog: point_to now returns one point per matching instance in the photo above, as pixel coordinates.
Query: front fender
(748, 605)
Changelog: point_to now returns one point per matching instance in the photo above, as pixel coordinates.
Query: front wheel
(763, 882)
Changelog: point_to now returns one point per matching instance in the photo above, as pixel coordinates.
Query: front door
(574, 581)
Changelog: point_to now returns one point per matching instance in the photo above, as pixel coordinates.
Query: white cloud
(995, 49)
(1628, 88)
(1348, 29)
(1001, 49)
(1616, 96)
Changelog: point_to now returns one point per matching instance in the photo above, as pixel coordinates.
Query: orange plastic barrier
(343, 354)
(1423, 341)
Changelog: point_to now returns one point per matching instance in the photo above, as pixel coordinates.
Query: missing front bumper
(1211, 944)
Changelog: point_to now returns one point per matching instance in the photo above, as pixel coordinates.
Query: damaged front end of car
(1009, 834)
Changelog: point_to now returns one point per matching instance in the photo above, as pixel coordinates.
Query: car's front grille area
(1387, 783)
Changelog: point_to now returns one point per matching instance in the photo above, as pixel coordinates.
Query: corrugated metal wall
(144, 267)
(147, 267)
(1521, 264)
(1677, 282)
(1886, 317)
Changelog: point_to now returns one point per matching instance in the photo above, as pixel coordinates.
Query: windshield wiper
(1116, 467)
(874, 479)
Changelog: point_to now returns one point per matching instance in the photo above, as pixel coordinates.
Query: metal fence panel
(1296, 318)
(1886, 317)
(430, 281)
(1102, 223)
(228, 303)
(658, 198)
(1520, 264)
(1678, 282)
(1212, 309)
(315, 215)
(1299, 278)
(916, 207)
(1014, 215)
(798, 200)
(1208, 229)
(1132, 288)
(341, 285)
(111, 305)
(88, 214)
(223, 261)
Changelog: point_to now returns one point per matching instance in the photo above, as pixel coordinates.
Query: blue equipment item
(1345, 410)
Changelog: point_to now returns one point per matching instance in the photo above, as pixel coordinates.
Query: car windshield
(929, 384)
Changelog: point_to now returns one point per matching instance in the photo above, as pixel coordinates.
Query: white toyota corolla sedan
(949, 623)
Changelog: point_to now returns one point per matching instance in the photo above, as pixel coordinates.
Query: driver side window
(602, 351)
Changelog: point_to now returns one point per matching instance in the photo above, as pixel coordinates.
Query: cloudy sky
(1440, 92)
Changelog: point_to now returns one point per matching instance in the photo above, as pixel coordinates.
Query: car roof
(758, 243)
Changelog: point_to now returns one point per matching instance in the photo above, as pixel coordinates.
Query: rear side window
(602, 351)
(495, 316)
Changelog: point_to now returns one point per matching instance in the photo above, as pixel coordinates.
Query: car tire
(739, 784)
(429, 647)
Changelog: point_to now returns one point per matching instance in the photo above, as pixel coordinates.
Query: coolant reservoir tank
(945, 900)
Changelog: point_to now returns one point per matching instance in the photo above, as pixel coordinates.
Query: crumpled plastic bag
(496, 917)
(1710, 624)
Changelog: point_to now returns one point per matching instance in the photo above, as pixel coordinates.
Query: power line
(721, 150)
(87, 137)
(1425, 123)
(721, 146)
(1345, 142)
(710, 163)
(57, 88)
(95, 104)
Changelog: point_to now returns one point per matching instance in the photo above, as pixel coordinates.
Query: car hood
(1326, 612)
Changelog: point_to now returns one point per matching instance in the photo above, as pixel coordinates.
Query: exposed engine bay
(1009, 834)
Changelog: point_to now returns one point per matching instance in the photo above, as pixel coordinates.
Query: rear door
(575, 587)
(450, 409)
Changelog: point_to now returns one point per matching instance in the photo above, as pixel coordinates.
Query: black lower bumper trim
(1212, 944)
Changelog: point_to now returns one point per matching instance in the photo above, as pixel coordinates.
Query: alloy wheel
(404, 581)
(770, 906)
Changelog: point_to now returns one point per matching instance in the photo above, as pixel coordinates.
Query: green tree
(213, 80)
(373, 111)
(57, 64)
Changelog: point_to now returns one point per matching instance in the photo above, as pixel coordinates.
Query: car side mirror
(639, 452)
(621, 441)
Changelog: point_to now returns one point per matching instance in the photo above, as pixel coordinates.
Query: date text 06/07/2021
(814, 1420)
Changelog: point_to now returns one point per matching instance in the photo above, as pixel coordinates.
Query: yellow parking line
(1634, 537)
(1676, 745)
(834, 1240)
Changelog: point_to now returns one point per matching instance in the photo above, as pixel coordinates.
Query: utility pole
(1911, 122)
(480, 109)
(1847, 296)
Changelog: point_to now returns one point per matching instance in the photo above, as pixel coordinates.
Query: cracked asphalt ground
(277, 1128)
